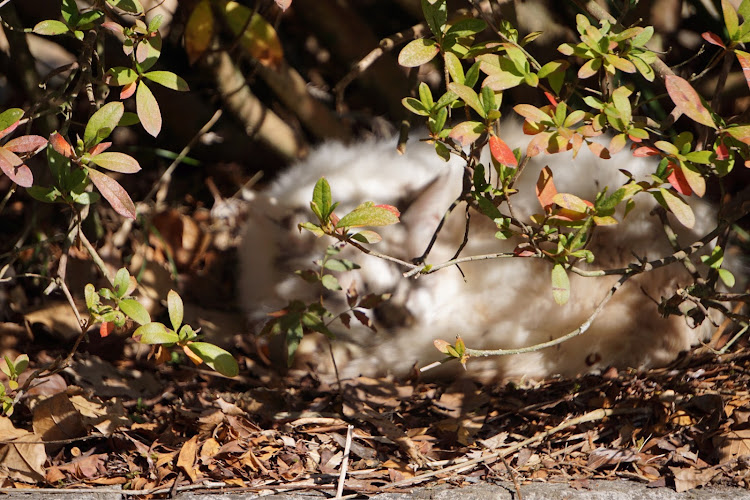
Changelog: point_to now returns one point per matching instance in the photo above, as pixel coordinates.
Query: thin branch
(591, 416)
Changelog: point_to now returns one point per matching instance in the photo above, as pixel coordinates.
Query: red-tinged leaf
(645, 151)
(467, 132)
(283, 4)
(199, 30)
(26, 144)
(538, 144)
(599, 150)
(688, 101)
(13, 167)
(551, 98)
(106, 328)
(678, 181)
(369, 215)
(60, 145)
(501, 152)
(117, 162)
(744, 59)
(741, 133)
(572, 202)
(678, 207)
(257, 37)
(747, 163)
(148, 109)
(545, 189)
(694, 179)
(531, 113)
(617, 143)
(113, 27)
(391, 209)
(128, 90)
(713, 38)
(114, 193)
(722, 152)
(100, 148)
(522, 250)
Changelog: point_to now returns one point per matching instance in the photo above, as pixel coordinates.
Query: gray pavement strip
(599, 490)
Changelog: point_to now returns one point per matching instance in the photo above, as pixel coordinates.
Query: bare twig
(344, 461)
(591, 416)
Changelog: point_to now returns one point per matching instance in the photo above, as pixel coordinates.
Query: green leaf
(677, 206)
(415, 106)
(88, 19)
(730, 18)
(199, 30)
(468, 95)
(44, 194)
(322, 199)
(688, 101)
(175, 308)
(425, 95)
(418, 52)
(117, 162)
(330, 282)
(8, 119)
(455, 68)
(368, 214)
(50, 27)
(114, 193)
(259, 38)
(436, 14)
(155, 23)
(102, 123)
(92, 298)
(120, 75)
(216, 357)
(467, 27)
(121, 283)
(131, 6)
(560, 285)
(366, 236)
(135, 311)
(148, 109)
(727, 277)
(167, 79)
(155, 333)
(69, 11)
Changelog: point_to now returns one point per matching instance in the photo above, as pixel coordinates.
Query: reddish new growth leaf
(106, 328)
(26, 144)
(13, 167)
(688, 101)
(60, 145)
(391, 209)
(722, 152)
(501, 152)
(678, 180)
(713, 38)
(114, 193)
(645, 151)
(551, 98)
(545, 189)
(744, 59)
(10, 129)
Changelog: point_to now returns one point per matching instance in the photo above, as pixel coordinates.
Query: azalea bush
(83, 169)
(595, 87)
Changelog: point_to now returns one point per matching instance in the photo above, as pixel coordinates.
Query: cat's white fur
(505, 303)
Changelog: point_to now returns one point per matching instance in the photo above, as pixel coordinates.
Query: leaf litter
(684, 426)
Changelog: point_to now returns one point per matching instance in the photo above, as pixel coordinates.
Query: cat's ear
(427, 208)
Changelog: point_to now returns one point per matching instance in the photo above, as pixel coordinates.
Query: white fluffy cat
(503, 303)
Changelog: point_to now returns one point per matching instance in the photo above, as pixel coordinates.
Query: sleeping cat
(501, 303)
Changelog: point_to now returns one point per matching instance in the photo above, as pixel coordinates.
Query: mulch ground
(164, 429)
